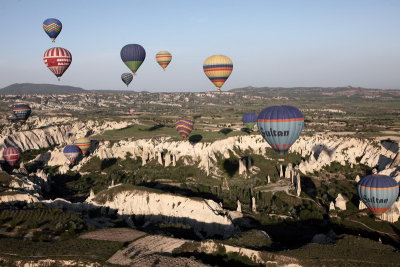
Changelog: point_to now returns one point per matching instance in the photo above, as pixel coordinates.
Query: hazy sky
(271, 43)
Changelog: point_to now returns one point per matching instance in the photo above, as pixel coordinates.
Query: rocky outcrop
(393, 214)
(15, 197)
(324, 150)
(203, 215)
(298, 184)
(253, 205)
(53, 135)
(340, 202)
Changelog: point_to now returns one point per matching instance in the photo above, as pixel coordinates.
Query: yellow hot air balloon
(218, 68)
(163, 58)
(84, 144)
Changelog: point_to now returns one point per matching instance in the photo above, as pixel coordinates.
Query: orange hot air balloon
(218, 68)
(163, 58)
(83, 144)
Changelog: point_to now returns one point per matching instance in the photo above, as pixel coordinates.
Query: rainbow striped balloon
(163, 58)
(84, 144)
(184, 127)
(378, 192)
(218, 68)
(52, 27)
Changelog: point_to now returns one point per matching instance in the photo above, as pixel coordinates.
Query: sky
(283, 43)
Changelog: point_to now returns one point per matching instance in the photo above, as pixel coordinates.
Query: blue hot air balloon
(249, 119)
(71, 152)
(52, 27)
(280, 126)
(22, 112)
(133, 56)
(378, 192)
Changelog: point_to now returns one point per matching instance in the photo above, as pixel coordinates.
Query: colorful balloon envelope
(184, 127)
(163, 58)
(378, 192)
(11, 155)
(280, 126)
(22, 112)
(83, 144)
(71, 152)
(249, 120)
(57, 59)
(127, 78)
(218, 68)
(133, 56)
(52, 27)
(132, 111)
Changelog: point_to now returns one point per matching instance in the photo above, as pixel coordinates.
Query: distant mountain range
(40, 89)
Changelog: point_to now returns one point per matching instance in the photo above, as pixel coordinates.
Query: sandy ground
(114, 234)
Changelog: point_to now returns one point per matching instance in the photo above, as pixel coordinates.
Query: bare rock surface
(203, 215)
(152, 249)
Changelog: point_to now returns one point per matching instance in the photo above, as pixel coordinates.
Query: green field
(147, 131)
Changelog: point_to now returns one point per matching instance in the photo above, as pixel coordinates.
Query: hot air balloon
(133, 56)
(249, 120)
(52, 27)
(71, 152)
(57, 59)
(280, 126)
(218, 68)
(127, 78)
(84, 144)
(163, 58)
(11, 155)
(132, 111)
(378, 192)
(22, 112)
(184, 127)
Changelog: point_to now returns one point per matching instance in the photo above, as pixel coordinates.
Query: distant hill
(251, 89)
(40, 89)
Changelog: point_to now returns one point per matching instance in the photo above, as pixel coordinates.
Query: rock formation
(288, 171)
(253, 205)
(298, 184)
(202, 215)
(392, 215)
(340, 202)
(239, 206)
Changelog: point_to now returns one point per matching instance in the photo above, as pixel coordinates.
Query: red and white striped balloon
(11, 155)
(57, 59)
